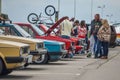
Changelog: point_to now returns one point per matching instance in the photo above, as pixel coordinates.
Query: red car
(54, 30)
(37, 33)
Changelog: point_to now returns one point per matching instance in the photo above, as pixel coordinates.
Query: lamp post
(58, 8)
(102, 8)
(74, 8)
(0, 6)
(109, 16)
(91, 8)
(58, 5)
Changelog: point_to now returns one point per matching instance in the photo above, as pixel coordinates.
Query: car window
(40, 32)
(22, 31)
(8, 31)
(29, 30)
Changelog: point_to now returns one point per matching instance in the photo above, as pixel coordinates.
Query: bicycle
(34, 18)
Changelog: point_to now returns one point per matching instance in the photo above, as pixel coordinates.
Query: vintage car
(117, 28)
(55, 50)
(113, 40)
(54, 30)
(78, 42)
(37, 33)
(12, 55)
(37, 51)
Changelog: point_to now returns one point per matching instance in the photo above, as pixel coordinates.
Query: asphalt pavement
(78, 68)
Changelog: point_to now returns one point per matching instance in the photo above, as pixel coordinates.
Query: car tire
(26, 64)
(1, 66)
(44, 59)
(3, 70)
(6, 72)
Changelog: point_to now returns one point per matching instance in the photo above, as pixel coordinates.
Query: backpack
(96, 29)
(104, 34)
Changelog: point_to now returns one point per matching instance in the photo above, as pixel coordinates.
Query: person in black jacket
(95, 25)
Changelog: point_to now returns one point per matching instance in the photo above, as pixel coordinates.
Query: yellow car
(37, 50)
(12, 55)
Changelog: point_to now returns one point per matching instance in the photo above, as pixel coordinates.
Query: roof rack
(4, 18)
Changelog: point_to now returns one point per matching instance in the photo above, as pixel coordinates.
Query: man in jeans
(95, 25)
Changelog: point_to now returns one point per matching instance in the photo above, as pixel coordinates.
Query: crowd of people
(99, 35)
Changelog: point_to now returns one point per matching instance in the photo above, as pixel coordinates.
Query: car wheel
(3, 70)
(26, 64)
(114, 45)
(43, 59)
(6, 72)
(1, 66)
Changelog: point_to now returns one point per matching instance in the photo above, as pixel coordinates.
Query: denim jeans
(105, 48)
(97, 47)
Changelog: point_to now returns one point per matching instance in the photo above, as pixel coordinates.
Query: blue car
(55, 50)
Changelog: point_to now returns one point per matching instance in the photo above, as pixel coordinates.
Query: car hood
(55, 25)
(21, 39)
(50, 42)
(5, 43)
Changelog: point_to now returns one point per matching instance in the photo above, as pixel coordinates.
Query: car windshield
(46, 28)
(117, 28)
(40, 32)
(22, 31)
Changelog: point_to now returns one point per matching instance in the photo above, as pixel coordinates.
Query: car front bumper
(58, 53)
(55, 56)
(39, 51)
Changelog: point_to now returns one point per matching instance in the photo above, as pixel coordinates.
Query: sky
(18, 10)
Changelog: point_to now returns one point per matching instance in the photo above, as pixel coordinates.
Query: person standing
(104, 35)
(65, 32)
(1, 19)
(82, 30)
(75, 28)
(95, 25)
(65, 28)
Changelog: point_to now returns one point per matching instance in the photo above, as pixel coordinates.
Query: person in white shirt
(65, 28)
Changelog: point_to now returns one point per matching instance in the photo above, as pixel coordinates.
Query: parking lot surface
(66, 69)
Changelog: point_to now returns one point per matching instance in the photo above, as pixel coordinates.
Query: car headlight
(24, 50)
(36, 47)
(39, 45)
(63, 47)
(28, 51)
(21, 51)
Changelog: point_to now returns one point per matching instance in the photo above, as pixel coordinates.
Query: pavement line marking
(37, 73)
(78, 74)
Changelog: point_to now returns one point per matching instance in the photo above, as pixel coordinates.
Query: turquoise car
(55, 49)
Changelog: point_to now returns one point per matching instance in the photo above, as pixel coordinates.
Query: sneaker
(89, 55)
(104, 57)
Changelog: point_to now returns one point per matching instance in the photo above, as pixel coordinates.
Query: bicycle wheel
(50, 10)
(32, 18)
